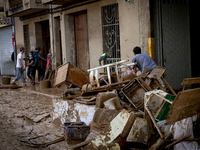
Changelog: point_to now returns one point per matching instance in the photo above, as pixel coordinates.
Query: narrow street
(18, 108)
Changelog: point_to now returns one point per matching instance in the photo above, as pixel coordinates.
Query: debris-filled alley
(99, 111)
(99, 75)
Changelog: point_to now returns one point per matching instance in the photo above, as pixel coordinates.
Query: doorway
(171, 24)
(58, 43)
(81, 41)
(43, 40)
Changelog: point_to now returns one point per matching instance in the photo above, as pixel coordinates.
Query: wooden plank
(170, 88)
(61, 75)
(10, 87)
(134, 92)
(112, 131)
(187, 81)
(186, 104)
(160, 142)
(158, 71)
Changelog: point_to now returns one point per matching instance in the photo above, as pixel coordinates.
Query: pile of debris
(120, 110)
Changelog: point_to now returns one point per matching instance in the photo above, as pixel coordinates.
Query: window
(110, 33)
(15, 3)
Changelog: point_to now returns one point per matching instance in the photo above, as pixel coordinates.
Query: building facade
(80, 31)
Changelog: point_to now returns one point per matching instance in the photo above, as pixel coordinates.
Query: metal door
(7, 66)
(81, 35)
(174, 38)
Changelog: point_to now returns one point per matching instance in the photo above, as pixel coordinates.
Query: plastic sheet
(184, 128)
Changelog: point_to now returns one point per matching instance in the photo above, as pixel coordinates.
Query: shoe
(12, 82)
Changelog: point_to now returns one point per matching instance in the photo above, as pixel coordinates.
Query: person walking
(20, 67)
(31, 67)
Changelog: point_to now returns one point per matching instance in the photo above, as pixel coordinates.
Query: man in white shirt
(20, 67)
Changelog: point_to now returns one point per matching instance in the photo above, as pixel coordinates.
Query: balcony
(20, 8)
(67, 2)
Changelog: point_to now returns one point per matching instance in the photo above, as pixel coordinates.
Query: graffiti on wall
(4, 20)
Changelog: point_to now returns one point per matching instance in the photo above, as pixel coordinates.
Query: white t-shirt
(19, 56)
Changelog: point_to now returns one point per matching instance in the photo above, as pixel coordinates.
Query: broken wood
(170, 88)
(188, 81)
(178, 141)
(134, 92)
(71, 74)
(160, 142)
(186, 104)
(10, 87)
(193, 139)
(40, 117)
(158, 71)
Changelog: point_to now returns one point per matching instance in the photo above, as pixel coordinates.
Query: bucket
(44, 84)
(76, 132)
(52, 83)
(6, 80)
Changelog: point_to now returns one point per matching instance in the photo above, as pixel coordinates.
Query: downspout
(52, 47)
(14, 44)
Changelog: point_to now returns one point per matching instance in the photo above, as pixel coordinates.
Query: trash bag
(128, 74)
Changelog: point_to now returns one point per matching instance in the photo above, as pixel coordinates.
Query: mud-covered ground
(19, 108)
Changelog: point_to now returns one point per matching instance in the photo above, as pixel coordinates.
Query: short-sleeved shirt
(19, 57)
(143, 61)
(36, 56)
(30, 60)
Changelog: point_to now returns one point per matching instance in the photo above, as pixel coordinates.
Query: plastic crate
(76, 132)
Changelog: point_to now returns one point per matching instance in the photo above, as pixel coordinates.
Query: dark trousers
(30, 73)
(40, 70)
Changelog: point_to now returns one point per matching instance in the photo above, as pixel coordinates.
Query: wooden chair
(190, 81)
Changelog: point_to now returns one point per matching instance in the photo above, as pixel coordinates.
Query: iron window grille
(111, 33)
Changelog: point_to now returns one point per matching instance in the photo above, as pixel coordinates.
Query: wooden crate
(71, 74)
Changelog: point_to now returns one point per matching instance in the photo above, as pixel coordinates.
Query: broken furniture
(71, 74)
(157, 81)
(157, 104)
(104, 96)
(113, 103)
(88, 100)
(112, 131)
(95, 72)
(186, 104)
(139, 131)
(134, 92)
(190, 81)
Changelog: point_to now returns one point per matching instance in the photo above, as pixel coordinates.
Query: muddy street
(25, 115)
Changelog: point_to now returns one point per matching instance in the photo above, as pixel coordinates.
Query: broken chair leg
(154, 122)
(170, 88)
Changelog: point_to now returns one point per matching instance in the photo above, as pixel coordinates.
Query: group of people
(31, 61)
(144, 63)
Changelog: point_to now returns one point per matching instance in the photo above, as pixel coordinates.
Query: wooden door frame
(76, 14)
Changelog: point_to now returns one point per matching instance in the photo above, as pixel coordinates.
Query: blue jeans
(20, 74)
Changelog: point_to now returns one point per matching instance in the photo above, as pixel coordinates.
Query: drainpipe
(14, 41)
(52, 47)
